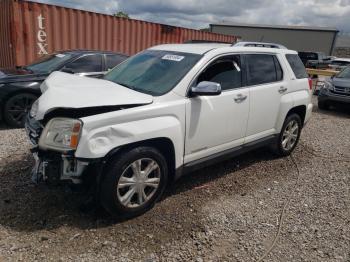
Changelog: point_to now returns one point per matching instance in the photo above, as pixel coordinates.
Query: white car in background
(165, 112)
(339, 64)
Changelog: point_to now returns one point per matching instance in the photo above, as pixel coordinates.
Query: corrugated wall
(41, 28)
(6, 52)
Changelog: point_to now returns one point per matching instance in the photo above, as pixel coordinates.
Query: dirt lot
(228, 212)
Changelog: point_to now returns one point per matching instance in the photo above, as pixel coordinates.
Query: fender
(99, 142)
(287, 102)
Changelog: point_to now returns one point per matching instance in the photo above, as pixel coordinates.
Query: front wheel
(17, 107)
(134, 182)
(289, 136)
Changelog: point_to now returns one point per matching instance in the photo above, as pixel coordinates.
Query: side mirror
(67, 70)
(206, 88)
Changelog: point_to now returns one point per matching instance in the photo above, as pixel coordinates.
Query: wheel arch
(163, 144)
(299, 110)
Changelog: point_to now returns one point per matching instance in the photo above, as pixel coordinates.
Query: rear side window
(86, 64)
(262, 69)
(113, 60)
(297, 66)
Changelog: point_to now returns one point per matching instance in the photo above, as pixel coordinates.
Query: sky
(200, 13)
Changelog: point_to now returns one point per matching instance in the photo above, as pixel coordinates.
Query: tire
(16, 109)
(323, 105)
(280, 148)
(119, 193)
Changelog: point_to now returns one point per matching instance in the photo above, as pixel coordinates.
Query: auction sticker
(176, 58)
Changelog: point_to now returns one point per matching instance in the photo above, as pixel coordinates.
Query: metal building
(300, 38)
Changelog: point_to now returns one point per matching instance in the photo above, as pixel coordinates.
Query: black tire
(323, 105)
(278, 147)
(115, 169)
(16, 109)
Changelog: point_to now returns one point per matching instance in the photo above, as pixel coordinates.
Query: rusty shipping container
(29, 30)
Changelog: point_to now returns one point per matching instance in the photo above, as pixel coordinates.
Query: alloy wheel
(19, 106)
(138, 183)
(290, 135)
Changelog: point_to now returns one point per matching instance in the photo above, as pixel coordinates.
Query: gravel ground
(228, 212)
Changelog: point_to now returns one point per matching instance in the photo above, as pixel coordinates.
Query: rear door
(266, 85)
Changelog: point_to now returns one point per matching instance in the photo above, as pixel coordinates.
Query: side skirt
(224, 155)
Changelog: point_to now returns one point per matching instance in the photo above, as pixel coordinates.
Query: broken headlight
(34, 110)
(61, 134)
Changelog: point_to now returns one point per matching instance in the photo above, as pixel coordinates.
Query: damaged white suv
(164, 112)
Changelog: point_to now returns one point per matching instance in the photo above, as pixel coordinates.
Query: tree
(122, 15)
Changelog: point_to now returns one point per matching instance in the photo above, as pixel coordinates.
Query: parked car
(335, 90)
(316, 60)
(20, 87)
(165, 112)
(339, 63)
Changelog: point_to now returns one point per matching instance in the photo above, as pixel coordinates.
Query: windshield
(340, 63)
(308, 56)
(49, 63)
(345, 73)
(153, 72)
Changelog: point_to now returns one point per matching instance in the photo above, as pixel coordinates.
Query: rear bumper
(308, 113)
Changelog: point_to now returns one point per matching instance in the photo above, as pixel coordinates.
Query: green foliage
(122, 15)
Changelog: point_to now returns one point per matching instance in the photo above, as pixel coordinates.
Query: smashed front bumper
(52, 167)
(56, 168)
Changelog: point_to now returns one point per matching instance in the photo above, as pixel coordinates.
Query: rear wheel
(289, 136)
(17, 107)
(134, 182)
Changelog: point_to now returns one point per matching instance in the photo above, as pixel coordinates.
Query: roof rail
(259, 44)
(194, 41)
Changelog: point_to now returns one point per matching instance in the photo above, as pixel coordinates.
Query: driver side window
(226, 71)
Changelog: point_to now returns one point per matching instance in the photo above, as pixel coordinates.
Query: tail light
(310, 83)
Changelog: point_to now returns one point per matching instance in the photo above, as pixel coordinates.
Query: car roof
(342, 59)
(87, 51)
(202, 48)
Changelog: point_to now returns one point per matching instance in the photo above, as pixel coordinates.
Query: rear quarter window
(297, 66)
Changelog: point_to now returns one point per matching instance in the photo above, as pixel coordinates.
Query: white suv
(164, 112)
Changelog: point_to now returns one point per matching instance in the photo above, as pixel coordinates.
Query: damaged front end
(52, 166)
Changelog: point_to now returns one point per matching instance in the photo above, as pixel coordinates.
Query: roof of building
(283, 27)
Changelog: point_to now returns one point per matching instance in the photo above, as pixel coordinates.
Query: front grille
(33, 129)
(340, 90)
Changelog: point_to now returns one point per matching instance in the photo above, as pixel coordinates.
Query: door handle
(240, 98)
(282, 89)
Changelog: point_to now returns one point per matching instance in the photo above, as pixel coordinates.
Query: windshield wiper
(136, 89)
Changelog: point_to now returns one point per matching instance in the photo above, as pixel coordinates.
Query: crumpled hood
(63, 90)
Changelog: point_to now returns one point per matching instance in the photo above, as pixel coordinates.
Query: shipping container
(30, 30)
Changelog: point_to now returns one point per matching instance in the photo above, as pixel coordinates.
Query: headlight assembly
(34, 109)
(61, 134)
(327, 85)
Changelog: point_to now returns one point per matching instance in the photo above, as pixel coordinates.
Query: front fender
(99, 142)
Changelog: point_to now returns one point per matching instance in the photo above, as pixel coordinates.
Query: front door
(217, 123)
